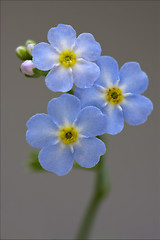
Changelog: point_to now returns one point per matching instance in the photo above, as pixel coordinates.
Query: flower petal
(109, 72)
(136, 109)
(56, 158)
(88, 151)
(59, 79)
(87, 47)
(62, 37)
(64, 109)
(115, 120)
(132, 78)
(44, 56)
(85, 74)
(93, 96)
(91, 122)
(41, 131)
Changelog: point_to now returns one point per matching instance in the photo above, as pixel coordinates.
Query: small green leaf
(33, 163)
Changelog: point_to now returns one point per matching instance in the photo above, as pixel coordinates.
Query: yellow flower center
(114, 95)
(68, 135)
(67, 58)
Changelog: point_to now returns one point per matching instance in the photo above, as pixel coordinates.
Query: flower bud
(30, 47)
(27, 67)
(30, 42)
(22, 53)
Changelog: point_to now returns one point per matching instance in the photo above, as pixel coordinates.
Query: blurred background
(43, 205)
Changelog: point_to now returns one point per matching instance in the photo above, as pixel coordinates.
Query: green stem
(102, 188)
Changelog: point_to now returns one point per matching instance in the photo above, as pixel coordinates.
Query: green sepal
(71, 92)
(44, 73)
(22, 53)
(33, 163)
(37, 73)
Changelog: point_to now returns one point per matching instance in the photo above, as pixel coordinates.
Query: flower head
(68, 58)
(67, 133)
(117, 94)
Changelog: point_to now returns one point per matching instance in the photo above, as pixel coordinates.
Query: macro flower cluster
(104, 98)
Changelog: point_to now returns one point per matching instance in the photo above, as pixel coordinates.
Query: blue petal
(62, 37)
(59, 79)
(44, 56)
(132, 78)
(56, 158)
(87, 47)
(91, 96)
(91, 122)
(41, 131)
(64, 109)
(136, 109)
(88, 151)
(109, 71)
(115, 120)
(85, 74)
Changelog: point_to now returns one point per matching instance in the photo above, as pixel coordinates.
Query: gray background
(43, 206)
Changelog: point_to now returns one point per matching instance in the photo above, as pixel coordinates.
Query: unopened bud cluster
(24, 53)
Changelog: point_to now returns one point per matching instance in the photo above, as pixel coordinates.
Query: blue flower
(67, 133)
(68, 58)
(117, 94)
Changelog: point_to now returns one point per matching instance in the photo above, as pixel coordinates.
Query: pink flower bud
(27, 67)
(30, 47)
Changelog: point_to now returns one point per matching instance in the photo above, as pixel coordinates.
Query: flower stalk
(101, 190)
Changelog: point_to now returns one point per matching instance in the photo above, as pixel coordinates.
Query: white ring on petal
(91, 122)
(59, 79)
(109, 71)
(85, 73)
(45, 57)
